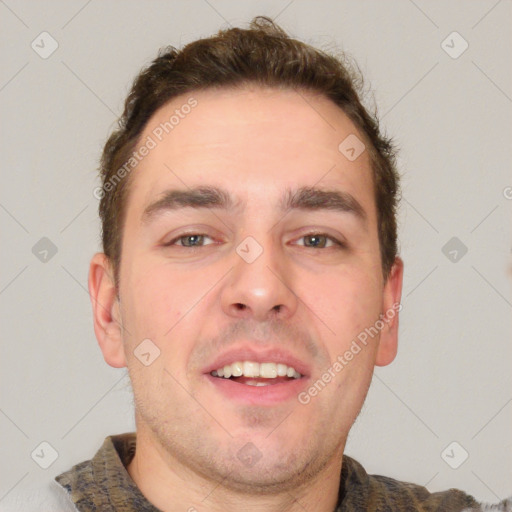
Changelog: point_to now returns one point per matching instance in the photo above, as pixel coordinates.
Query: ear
(388, 343)
(105, 308)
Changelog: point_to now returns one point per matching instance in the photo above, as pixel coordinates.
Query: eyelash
(337, 243)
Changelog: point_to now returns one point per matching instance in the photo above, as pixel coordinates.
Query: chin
(261, 476)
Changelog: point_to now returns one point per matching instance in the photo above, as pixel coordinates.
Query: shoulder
(382, 493)
(402, 495)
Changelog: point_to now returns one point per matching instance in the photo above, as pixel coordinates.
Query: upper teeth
(252, 369)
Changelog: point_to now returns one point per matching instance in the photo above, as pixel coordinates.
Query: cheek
(344, 304)
(155, 298)
(159, 304)
(347, 297)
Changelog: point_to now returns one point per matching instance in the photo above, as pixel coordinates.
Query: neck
(171, 486)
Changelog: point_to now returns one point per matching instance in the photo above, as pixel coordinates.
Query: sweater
(103, 484)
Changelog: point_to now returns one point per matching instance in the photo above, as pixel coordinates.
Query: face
(250, 271)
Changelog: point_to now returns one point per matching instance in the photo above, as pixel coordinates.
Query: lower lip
(259, 395)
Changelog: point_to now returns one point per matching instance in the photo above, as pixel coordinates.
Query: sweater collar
(103, 483)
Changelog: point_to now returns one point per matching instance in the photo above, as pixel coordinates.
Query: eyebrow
(302, 198)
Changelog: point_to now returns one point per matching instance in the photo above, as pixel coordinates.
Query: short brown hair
(261, 55)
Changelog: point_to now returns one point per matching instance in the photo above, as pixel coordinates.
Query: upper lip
(258, 355)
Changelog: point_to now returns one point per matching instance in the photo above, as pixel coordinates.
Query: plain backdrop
(449, 113)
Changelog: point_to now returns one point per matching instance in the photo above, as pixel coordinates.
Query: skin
(254, 142)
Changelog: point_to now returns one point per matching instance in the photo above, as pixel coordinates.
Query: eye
(320, 240)
(312, 241)
(191, 240)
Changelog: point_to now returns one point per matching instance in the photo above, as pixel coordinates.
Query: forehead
(251, 141)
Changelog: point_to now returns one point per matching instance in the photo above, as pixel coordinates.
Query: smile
(252, 373)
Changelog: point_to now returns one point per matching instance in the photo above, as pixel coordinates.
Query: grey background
(451, 380)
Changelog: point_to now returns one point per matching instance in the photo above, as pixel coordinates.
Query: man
(249, 282)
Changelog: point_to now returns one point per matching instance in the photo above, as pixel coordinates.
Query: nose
(260, 289)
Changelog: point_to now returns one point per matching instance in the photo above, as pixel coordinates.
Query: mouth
(252, 373)
(256, 378)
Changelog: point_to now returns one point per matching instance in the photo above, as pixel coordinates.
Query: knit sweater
(103, 484)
